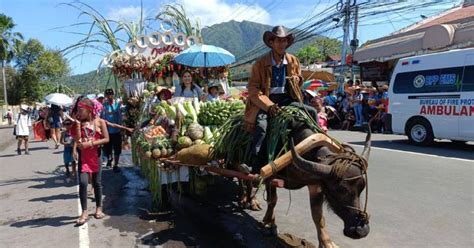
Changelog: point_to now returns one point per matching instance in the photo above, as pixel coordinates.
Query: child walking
(68, 141)
(22, 129)
(90, 132)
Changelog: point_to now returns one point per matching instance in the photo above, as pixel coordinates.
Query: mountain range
(237, 37)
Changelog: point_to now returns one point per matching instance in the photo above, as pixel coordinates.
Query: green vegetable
(170, 110)
(195, 131)
(208, 138)
(184, 141)
(216, 113)
(181, 109)
(190, 109)
(197, 105)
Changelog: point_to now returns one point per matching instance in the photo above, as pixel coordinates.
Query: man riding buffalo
(275, 82)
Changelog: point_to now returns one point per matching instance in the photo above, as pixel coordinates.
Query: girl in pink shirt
(89, 133)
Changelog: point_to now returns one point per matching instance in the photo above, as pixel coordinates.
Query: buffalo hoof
(329, 244)
(270, 230)
(255, 205)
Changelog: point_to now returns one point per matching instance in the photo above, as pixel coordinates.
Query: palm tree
(105, 36)
(8, 46)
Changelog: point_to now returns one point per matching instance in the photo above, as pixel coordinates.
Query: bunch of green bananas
(216, 113)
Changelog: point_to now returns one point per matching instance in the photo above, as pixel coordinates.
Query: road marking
(84, 229)
(417, 153)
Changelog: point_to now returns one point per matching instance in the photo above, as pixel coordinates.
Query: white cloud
(129, 13)
(211, 12)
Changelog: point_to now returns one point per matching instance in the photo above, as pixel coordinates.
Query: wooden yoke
(301, 148)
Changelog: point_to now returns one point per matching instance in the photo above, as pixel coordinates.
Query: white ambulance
(432, 97)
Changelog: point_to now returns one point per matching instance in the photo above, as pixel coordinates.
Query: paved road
(419, 197)
(38, 206)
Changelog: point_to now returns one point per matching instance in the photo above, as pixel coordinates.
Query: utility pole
(354, 42)
(5, 97)
(347, 15)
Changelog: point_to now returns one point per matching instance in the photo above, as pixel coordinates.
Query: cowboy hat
(280, 32)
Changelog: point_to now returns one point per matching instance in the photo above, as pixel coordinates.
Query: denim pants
(358, 114)
(262, 124)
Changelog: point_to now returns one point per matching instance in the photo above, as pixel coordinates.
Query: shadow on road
(38, 148)
(438, 148)
(52, 198)
(56, 178)
(45, 221)
(8, 155)
(51, 179)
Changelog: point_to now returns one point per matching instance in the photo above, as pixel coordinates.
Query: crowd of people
(356, 107)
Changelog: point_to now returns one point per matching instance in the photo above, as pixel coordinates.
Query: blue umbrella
(201, 55)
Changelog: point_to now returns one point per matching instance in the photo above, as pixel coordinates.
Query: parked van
(432, 97)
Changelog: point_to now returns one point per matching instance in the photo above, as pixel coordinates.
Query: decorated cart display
(164, 129)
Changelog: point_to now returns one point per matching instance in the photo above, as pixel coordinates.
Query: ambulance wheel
(420, 132)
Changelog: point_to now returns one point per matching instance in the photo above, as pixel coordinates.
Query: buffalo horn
(308, 166)
(366, 152)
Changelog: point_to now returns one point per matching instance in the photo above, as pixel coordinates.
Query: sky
(42, 19)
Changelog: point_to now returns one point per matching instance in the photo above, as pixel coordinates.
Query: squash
(195, 131)
(184, 141)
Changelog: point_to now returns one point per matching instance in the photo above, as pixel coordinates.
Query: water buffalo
(338, 178)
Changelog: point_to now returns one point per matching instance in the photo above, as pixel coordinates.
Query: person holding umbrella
(55, 122)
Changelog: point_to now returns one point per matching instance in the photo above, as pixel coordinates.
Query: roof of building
(458, 14)
(453, 28)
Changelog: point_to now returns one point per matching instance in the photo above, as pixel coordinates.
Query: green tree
(8, 41)
(328, 46)
(308, 54)
(39, 71)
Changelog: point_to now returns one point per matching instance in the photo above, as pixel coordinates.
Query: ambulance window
(429, 81)
(450, 79)
(468, 79)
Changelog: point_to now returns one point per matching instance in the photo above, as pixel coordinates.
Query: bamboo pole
(303, 147)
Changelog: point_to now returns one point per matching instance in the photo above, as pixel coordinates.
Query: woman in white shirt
(188, 87)
(22, 129)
